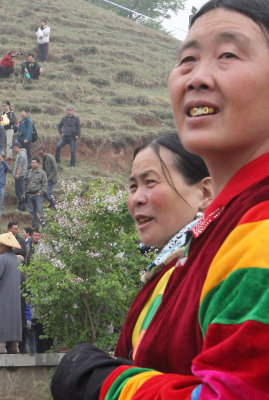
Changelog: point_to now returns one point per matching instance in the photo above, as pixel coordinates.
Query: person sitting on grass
(7, 65)
(30, 68)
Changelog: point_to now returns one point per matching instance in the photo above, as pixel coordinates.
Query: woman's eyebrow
(228, 36)
(194, 44)
(234, 37)
(143, 175)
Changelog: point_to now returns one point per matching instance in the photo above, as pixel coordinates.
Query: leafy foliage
(87, 270)
(158, 10)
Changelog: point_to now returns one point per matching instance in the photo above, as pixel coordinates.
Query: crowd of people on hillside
(20, 328)
(35, 177)
(30, 68)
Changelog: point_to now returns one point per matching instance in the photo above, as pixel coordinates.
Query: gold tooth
(201, 111)
(194, 112)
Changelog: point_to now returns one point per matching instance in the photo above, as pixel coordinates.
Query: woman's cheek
(157, 198)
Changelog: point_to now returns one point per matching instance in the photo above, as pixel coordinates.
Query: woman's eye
(132, 187)
(150, 182)
(228, 55)
(186, 60)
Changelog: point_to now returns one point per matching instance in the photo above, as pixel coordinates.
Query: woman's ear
(207, 193)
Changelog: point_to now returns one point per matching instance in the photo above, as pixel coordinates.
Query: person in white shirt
(42, 34)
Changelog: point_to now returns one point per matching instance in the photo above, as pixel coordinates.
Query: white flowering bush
(88, 268)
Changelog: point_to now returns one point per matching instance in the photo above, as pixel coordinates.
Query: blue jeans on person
(18, 190)
(49, 194)
(73, 143)
(35, 204)
(2, 195)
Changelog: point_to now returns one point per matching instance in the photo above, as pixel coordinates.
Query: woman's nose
(201, 77)
(139, 197)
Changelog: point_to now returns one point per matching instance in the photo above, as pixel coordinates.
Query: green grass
(112, 70)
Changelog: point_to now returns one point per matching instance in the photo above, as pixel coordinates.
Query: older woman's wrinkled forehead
(257, 10)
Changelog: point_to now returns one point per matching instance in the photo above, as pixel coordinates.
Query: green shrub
(87, 271)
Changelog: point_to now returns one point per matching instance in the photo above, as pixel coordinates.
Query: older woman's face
(220, 87)
(158, 210)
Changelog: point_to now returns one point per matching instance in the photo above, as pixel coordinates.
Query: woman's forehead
(220, 24)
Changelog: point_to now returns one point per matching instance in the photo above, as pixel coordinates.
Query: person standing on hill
(19, 171)
(3, 140)
(24, 136)
(34, 188)
(193, 12)
(69, 129)
(50, 167)
(3, 174)
(42, 34)
(9, 122)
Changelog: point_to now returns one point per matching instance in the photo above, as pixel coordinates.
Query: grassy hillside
(113, 70)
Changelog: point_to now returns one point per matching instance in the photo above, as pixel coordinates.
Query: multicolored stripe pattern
(234, 317)
(149, 311)
(234, 320)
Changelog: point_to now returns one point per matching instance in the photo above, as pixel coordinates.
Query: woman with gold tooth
(209, 336)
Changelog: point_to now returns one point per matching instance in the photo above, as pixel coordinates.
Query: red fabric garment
(7, 62)
(174, 339)
(124, 345)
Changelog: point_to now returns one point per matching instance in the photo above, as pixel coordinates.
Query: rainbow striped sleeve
(234, 314)
(234, 320)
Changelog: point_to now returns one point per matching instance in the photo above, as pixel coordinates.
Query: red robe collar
(249, 174)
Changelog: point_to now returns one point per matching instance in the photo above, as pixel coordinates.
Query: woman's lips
(198, 111)
(200, 108)
(142, 220)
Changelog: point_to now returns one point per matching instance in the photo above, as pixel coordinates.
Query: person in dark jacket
(3, 173)
(50, 167)
(69, 129)
(24, 136)
(13, 227)
(30, 68)
(34, 188)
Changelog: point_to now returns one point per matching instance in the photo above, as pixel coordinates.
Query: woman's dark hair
(28, 230)
(191, 166)
(257, 10)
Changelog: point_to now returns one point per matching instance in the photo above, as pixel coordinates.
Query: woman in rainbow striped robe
(208, 338)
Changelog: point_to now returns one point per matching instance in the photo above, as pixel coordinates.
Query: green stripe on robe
(236, 299)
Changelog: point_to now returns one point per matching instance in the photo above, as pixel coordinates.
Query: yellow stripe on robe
(238, 252)
(134, 384)
(159, 289)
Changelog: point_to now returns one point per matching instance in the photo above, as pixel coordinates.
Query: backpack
(34, 134)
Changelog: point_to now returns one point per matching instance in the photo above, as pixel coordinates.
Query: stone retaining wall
(27, 376)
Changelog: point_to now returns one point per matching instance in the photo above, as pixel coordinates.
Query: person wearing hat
(19, 171)
(10, 297)
(69, 129)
